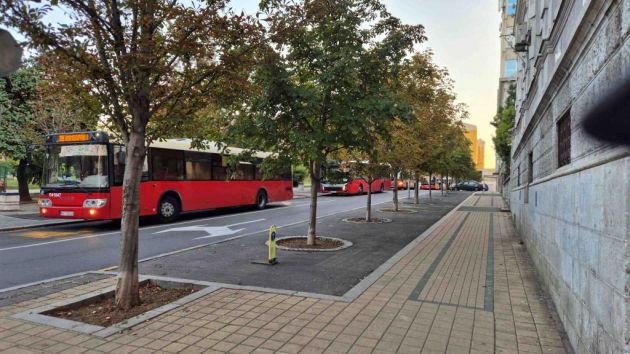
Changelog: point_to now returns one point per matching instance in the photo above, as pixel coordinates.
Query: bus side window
(167, 165)
(244, 172)
(119, 166)
(258, 173)
(145, 169)
(219, 169)
(198, 166)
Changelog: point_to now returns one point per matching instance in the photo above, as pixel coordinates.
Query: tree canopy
(324, 81)
(151, 65)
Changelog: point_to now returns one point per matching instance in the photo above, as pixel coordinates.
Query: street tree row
(304, 79)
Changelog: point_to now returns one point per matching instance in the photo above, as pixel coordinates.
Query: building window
(564, 139)
(530, 167)
(510, 7)
(510, 68)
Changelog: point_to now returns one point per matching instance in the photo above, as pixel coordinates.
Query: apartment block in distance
(570, 193)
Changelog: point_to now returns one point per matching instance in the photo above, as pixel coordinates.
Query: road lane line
(149, 228)
(245, 222)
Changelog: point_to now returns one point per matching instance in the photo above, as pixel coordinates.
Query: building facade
(477, 146)
(507, 78)
(569, 193)
(481, 149)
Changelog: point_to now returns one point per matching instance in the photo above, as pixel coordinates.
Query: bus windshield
(70, 166)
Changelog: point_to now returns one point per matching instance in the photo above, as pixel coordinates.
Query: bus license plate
(66, 213)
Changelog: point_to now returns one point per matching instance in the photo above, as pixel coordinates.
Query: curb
(7, 229)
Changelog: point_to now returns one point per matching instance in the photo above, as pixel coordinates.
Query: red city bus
(339, 179)
(83, 176)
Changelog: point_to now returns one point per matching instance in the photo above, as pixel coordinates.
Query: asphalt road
(33, 255)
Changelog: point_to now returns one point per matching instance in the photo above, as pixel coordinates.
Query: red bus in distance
(83, 176)
(339, 179)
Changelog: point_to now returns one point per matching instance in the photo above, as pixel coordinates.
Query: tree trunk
(396, 192)
(315, 170)
(22, 177)
(448, 186)
(416, 191)
(368, 212)
(127, 293)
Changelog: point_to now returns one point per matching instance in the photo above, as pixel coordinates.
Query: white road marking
(245, 222)
(160, 226)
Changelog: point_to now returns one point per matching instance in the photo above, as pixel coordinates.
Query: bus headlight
(44, 203)
(94, 203)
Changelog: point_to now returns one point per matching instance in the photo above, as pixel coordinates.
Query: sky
(464, 37)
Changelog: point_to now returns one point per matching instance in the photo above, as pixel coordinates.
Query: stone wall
(575, 218)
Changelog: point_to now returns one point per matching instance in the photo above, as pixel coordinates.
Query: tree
(323, 82)
(16, 94)
(428, 89)
(416, 85)
(152, 65)
(36, 103)
(503, 122)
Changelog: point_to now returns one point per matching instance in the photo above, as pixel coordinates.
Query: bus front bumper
(62, 212)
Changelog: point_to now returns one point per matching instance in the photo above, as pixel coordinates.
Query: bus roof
(173, 144)
(211, 147)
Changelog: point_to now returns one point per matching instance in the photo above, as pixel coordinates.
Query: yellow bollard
(272, 245)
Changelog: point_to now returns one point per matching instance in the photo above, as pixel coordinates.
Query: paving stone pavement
(468, 287)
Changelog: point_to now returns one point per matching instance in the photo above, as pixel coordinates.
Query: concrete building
(508, 55)
(507, 77)
(481, 147)
(470, 131)
(570, 193)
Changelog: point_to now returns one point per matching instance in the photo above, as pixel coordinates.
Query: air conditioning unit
(523, 38)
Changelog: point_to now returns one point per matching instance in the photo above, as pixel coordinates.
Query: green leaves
(503, 122)
(325, 79)
(16, 115)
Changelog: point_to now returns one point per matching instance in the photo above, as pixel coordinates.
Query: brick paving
(468, 287)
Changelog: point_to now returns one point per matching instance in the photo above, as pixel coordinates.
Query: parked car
(469, 186)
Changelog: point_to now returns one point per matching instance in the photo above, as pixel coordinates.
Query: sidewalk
(465, 286)
(27, 216)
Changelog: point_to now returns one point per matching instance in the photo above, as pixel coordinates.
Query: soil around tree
(103, 311)
(372, 220)
(298, 243)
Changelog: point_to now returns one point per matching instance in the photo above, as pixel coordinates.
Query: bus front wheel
(168, 209)
(261, 200)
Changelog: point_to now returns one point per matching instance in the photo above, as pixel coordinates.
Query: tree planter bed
(102, 310)
(95, 314)
(322, 244)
